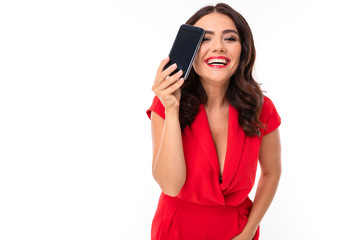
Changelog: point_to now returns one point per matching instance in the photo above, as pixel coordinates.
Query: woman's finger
(159, 78)
(173, 88)
(169, 81)
(162, 65)
(164, 74)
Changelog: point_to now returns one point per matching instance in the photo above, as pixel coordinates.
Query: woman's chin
(215, 78)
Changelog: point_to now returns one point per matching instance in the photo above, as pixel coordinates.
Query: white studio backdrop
(75, 142)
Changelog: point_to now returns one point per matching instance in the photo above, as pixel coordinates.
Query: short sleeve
(157, 107)
(270, 116)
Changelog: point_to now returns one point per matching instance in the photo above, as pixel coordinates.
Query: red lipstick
(218, 57)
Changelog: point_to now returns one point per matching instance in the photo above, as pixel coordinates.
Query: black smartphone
(184, 49)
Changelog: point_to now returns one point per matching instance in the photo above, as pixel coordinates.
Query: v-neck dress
(207, 208)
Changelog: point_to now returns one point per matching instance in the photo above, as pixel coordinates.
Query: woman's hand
(241, 237)
(244, 236)
(166, 88)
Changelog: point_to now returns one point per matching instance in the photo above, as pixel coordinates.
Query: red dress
(206, 209)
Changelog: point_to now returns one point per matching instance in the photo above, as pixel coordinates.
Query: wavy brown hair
(243, 93)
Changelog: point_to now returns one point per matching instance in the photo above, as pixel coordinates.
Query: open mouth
(217, 62)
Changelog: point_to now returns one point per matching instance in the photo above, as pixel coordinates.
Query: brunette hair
(243, 93)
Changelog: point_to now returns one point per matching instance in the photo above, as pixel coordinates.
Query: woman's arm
(168, 168)
(270, 163)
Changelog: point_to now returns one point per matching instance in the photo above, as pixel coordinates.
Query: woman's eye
(230, 39)
(205, 39)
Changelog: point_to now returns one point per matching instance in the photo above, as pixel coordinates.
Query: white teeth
(217, 60)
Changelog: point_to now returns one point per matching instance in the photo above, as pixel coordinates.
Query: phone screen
(185, 47)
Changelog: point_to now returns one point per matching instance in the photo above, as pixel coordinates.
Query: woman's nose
(218, 46)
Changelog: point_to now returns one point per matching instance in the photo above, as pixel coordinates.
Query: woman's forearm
(265, 193)
(169, 168)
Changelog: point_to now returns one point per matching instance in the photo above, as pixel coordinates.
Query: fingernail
(174, 65)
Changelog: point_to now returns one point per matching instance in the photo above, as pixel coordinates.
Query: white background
(75, 142)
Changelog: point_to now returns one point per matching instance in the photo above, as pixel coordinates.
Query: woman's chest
(219, 131)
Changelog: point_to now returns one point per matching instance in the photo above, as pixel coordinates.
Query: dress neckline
(213, 142)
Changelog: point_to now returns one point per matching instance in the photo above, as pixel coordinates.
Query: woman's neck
(216, 94)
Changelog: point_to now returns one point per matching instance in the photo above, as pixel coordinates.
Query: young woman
(208, 134)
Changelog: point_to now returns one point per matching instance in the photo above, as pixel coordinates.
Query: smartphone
(184, 49)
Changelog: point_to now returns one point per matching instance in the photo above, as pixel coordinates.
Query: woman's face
(219, 53)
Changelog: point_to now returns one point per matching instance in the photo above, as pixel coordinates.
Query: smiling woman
(209, 133)
(220, 49)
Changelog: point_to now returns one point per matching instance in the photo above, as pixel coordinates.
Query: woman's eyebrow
(224, 32)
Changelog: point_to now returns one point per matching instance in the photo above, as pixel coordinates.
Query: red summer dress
(206, 208)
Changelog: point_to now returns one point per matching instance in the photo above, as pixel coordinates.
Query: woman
(208, 133)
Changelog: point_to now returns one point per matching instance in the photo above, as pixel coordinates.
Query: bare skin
(169, 168)
(218, 121)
